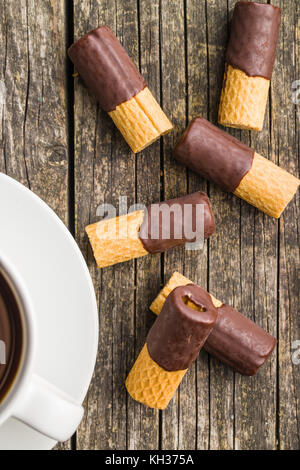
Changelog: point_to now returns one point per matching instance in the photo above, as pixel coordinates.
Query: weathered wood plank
(175, 184)
(33, 78)
(285, 144)
(143, 431)
(196, 261)
(249, 261)
(33, 111)
(224, 246)
(255, 397)
(105, 170)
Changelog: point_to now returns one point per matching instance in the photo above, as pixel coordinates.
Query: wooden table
(54, 139)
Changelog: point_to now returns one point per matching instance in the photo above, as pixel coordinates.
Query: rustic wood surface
(56, 140)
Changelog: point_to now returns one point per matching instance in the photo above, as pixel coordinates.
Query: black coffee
(11, 337)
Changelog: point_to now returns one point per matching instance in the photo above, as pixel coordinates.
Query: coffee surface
(10, 337)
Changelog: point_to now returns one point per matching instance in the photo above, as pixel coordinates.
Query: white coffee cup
(32, 399)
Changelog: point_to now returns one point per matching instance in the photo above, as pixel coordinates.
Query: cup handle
(49, 410)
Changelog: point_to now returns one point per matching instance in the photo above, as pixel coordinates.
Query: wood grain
(104, 170)
(34, 115)
(196, 427)
(285, 145)
(172, 45)
(143, 432)
(224, 246)
(255, 399)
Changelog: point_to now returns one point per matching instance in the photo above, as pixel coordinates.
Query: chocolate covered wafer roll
(234, 339)
(177, 221)
(162, 226)
(172, 345)
(116, 240)
(235, 167)
(249, 65)
(239, 342)
(112, 77)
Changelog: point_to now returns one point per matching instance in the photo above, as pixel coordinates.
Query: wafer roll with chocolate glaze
(162, 226)
(249, 65)
(112, 77)
(234, 339)
(235, 167)
(116, 240)
(172, 345)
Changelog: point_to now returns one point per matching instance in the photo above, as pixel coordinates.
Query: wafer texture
(141, 120)
(116, 240)
(147, 382)
(267, 186)
(243, 100)
(150, 384)
(175, 280)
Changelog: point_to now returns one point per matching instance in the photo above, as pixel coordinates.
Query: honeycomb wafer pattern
(151, 385)
(175, 280)
(243, 100)
(267, 186)
(116, 240)
(141, 120)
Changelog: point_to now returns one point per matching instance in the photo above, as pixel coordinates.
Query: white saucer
(53, 268)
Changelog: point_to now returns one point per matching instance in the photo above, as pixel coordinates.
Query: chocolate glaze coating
(214, 154)
(166, 237)
(253, 38)
(239, 342)
(179, 332)
(106, 68)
